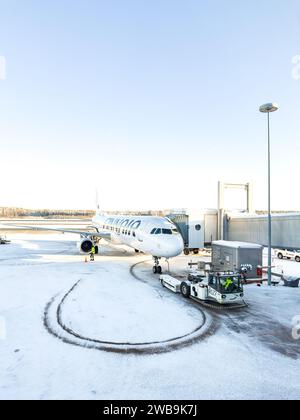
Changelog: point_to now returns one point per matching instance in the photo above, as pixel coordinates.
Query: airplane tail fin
(98, 209)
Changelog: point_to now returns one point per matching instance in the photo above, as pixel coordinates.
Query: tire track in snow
(54, 309)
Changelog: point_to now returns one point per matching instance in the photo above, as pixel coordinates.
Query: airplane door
(139, 236)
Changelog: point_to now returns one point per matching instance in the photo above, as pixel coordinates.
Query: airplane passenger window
(133, 234)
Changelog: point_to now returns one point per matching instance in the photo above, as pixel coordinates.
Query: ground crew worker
(93, 252)
(227, 283)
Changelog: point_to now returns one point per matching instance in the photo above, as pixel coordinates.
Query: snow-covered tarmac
(188, 352)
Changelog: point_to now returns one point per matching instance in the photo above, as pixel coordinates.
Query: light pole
(267, 109)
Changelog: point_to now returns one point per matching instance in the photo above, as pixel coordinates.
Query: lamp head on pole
(267, 108)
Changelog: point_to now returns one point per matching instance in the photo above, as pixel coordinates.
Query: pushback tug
(224, 289)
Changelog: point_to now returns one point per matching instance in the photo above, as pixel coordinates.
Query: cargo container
(235, 256)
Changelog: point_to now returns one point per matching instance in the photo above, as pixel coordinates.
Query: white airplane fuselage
(156, 236)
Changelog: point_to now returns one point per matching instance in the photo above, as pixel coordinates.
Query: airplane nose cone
(176, 246)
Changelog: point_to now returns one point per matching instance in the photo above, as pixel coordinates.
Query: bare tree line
(13, 212)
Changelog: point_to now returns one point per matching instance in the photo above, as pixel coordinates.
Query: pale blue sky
(151, 101)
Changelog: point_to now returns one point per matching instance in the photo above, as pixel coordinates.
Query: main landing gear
(157, 268)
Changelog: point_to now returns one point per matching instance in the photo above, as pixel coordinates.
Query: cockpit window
(159, 231)
(167, 231)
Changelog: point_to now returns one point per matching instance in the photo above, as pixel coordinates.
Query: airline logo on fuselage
(124, 223)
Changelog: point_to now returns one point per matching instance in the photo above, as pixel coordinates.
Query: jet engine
(85, 245)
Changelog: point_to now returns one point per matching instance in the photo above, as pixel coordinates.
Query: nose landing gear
(157, 267)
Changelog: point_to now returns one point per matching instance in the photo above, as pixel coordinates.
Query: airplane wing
(96, 233)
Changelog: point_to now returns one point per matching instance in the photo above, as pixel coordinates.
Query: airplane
(157, 236)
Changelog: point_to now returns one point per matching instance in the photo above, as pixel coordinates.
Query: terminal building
(200, 228)
(254, 229)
